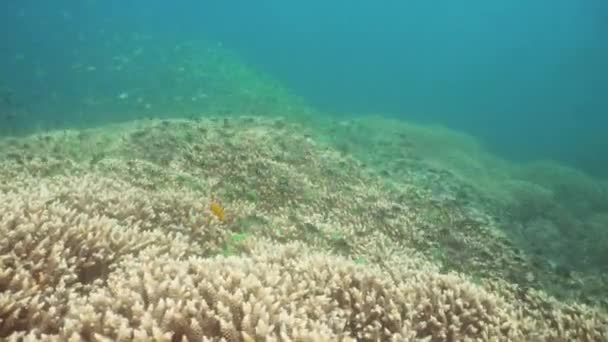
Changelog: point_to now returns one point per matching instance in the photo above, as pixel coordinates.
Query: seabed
(256, 218)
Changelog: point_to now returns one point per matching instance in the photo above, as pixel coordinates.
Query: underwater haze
(303, 170)
(529, 78)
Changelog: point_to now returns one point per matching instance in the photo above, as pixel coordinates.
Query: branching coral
(109, 254)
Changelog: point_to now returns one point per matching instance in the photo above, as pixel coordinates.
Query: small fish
(217, 209)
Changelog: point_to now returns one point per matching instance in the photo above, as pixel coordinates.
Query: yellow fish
(217, 209)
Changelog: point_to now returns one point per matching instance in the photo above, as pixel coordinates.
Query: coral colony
(124, 241)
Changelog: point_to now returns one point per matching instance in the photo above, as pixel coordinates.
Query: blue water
(528, 77)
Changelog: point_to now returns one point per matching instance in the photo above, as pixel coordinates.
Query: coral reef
(111, 235)
(553, 216)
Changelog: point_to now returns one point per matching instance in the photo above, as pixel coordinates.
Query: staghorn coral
(293, 293)
(289, 293)
(127, 250)
(50, 251)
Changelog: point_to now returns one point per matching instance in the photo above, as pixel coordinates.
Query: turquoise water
(528, 78)
(384, 165)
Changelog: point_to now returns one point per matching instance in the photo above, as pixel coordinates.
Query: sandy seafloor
(254, 218)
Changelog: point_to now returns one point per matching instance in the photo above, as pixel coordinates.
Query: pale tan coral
(124, 251)
(289, 292)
